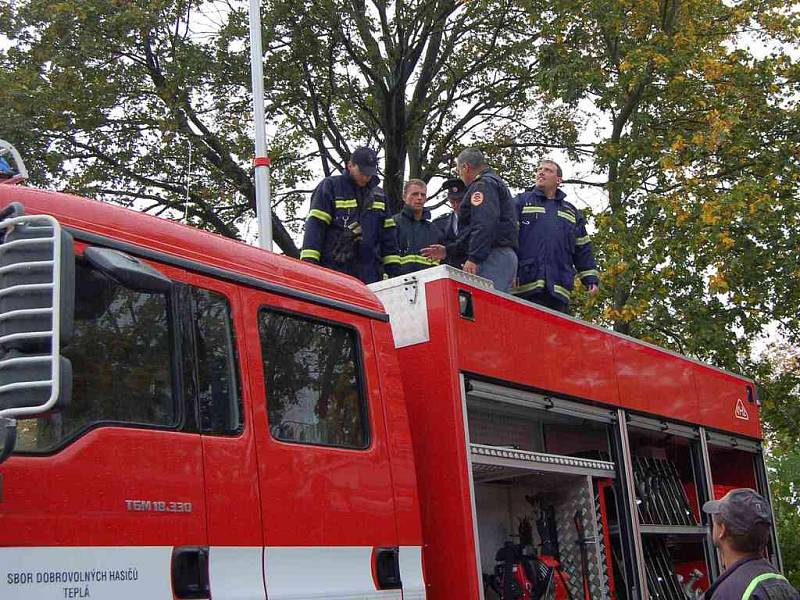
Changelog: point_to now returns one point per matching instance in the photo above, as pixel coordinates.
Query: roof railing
(12, 167)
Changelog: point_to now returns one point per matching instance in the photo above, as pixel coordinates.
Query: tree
(418, 79)
(779, 373)
(696, 152)
(149, 101)
(123, 101)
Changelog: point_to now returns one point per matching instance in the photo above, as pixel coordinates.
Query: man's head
(741, 522)
(455, 189)
(548, 176)
(469, 164)
(415, 193)
(363, 165)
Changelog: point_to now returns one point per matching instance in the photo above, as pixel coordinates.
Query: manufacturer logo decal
(741, 411)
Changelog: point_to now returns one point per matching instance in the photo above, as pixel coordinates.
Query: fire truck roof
(114, 226)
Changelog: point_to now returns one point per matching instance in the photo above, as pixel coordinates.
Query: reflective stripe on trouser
(501, 267)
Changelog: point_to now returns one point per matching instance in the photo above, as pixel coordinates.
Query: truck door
(326, 490)
(99, 495)
(211, 320)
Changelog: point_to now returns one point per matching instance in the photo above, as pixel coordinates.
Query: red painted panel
(398, 436)
(719, 394)
(78, 496)
(517, 342)
(435, 410)
(655, 382)
(314, 495)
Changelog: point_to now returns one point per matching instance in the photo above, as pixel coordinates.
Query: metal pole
(261, 161)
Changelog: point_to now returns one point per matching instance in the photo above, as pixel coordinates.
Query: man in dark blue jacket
(553, 244)
(448, 223)
(415, 230)
(488, 227)
(349, 228)
(740, 531)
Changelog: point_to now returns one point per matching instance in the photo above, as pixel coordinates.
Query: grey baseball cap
(366, 159)
(741, 508)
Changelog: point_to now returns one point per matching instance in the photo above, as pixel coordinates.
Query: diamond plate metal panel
(579, 500)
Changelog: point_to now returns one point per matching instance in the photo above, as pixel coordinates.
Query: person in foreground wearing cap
(448, 223)
(488, 223)
(349, 228)
(740, 531)
(414, 228)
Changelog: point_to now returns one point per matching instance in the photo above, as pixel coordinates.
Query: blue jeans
(501, 267)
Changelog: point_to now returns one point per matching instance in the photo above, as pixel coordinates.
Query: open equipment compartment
(670, 489)
(540, 479)
(736, 462)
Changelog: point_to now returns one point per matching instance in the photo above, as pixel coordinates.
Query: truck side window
(121, 364)
(218, 384)
(312, 374)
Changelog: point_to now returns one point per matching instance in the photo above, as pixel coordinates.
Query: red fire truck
(186, 416)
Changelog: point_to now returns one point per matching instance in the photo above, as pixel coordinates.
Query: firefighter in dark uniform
(553, 244)
(415, 230)
(448, 224)
(488, 227)
(740, 530)
(349, 228)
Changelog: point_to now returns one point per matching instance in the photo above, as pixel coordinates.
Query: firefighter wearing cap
(448, 224)
(349, 228)
(488, 227)
(740, 531)
(414, 228)
(553, 244)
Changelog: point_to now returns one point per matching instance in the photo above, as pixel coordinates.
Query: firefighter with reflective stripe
(448, 223)
(415, 230)
(553, 244)
(741, 531)
(488, 227)
(349, 228)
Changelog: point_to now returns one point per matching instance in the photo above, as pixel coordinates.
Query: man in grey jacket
(741, 524)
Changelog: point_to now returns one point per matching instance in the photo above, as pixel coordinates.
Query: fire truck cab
(185, 416)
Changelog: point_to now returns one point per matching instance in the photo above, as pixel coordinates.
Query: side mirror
(37, 298)
(127, 270)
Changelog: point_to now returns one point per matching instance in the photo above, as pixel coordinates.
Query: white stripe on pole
(263, 207)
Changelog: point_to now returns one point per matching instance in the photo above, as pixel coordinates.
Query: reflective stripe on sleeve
(582, 241)
(321, 215)
(567, 215)
(528, 287)
(392, 259)
(418, 259)
(387, 223)
(378, 206)
(308, 253)
(561, 290)
(583, 274)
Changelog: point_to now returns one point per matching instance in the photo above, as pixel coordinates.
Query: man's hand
(435, 252)
(593, 289)
(470, 267)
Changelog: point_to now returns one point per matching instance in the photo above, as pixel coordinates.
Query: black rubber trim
(218, 273)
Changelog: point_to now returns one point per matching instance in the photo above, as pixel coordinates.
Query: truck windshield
(121, 364)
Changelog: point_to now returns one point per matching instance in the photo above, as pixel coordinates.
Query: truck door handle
(386, 568)
(190, 573)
